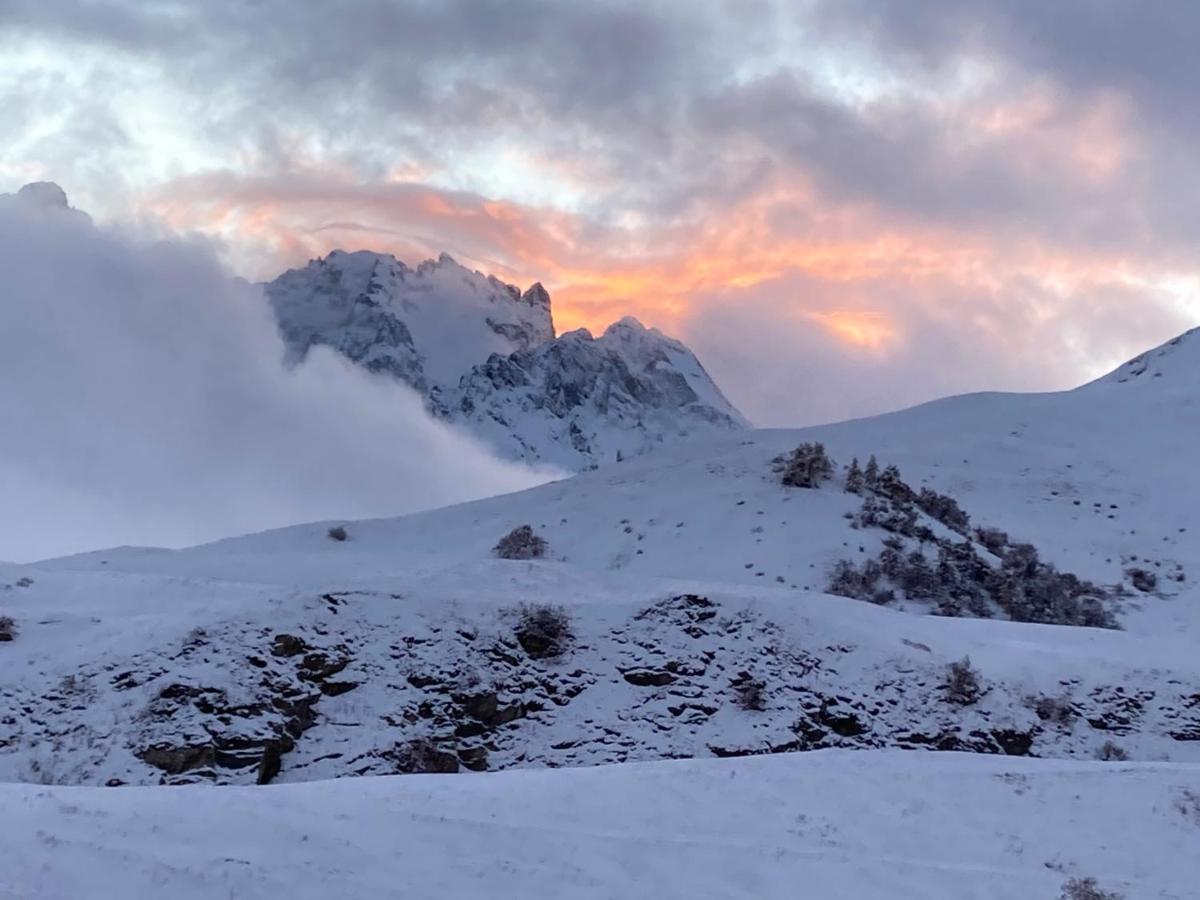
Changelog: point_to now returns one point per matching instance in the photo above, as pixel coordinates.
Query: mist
(143, 401)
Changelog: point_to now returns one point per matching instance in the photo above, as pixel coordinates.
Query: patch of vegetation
(750, 693)
(337, 533)
(807, 466)
(1087, 889)
(962, 683)
(1054, 710)
(1110, 752)
(8, 628)
(521, 543)
(964, 572)
(544, 630)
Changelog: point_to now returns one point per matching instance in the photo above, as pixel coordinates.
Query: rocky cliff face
(425, 326)
(580, 401)
(485, 355)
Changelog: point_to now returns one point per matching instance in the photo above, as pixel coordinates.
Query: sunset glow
(834, 173)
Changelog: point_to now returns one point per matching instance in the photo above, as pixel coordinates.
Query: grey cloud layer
(674, 116)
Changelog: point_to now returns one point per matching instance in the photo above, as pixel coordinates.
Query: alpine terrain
(947, 652)
(484, 355)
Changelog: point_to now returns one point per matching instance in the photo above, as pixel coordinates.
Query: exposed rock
(648, 677)
(486, 709)
(272, 761)
(288, 645)
(177, 760)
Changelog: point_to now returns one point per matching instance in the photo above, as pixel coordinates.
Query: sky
(894, 200)
(843, 206)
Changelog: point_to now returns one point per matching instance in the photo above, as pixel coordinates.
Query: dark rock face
(665, 680)
(177, 760)
(422, 756)
(272, 761)
(288, 645)
(648, 677)
(486, 708)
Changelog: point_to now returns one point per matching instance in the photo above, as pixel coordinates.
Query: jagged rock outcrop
(484, 355)
(424, 326)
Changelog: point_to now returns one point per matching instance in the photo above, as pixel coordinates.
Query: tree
(808, 466)
(855, 481)
(871, 473)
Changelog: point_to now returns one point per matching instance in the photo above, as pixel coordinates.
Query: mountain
(1177, 361)
(425, 326)
(484, 354)
(685, 610)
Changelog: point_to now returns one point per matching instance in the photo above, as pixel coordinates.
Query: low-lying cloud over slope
(143, 400)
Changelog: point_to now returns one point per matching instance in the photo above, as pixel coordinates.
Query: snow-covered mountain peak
(484, 353)
(426, 326)
(1177, 362)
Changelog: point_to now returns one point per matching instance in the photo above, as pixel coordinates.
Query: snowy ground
(828, 824)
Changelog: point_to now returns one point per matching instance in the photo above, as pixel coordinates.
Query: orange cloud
(270, 224)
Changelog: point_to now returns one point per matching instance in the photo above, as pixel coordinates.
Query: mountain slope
(686, 575)
(485, 356)
(588, 400)
(679, 612)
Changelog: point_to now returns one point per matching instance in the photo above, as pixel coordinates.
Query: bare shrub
(1087, 889)
(993, 540)
(962, 683)
(337, 533)
(1110, 752)
(8, 628)
(1188, 803)
(1142, 579)
(807, 467)
(521, 543)
(750, 694)
(544, 630)
(1055, 710)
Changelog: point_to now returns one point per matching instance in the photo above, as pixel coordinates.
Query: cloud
(868, 176)
(144, 401)
(802, 350)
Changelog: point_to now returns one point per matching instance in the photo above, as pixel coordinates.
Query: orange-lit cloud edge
(865, 265)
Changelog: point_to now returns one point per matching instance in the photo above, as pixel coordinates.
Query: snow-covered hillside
(678, 609)
(485, 355)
